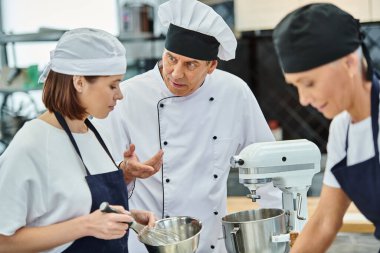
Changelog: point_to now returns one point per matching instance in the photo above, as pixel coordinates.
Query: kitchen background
(30, 29)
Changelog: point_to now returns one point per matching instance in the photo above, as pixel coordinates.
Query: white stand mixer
(290, 165)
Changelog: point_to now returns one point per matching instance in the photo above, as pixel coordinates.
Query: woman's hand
(108, 226)
(144, 217)
(101, 225)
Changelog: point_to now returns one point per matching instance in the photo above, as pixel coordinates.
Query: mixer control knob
(236, 160)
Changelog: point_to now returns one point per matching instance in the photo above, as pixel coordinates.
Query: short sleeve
(21, 193)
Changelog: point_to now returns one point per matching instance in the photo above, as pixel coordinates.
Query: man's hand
(133, 168)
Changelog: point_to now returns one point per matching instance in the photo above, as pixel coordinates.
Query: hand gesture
(133, 168)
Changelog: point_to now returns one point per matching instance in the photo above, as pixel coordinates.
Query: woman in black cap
(322, 54)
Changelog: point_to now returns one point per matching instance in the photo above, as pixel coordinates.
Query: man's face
(183, 75)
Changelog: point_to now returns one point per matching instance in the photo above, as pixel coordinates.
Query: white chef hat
(87, 52)
(195, 30)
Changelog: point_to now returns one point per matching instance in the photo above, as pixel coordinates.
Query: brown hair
(60, 95)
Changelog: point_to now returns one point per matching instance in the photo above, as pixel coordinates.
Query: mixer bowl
(187, 228)
(251, 231)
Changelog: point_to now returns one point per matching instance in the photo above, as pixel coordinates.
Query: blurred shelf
(30, 37)
(55, 35)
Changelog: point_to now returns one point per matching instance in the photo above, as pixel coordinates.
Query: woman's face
(99, 96)
(327, 88)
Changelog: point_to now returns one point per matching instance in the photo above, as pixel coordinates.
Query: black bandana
(314, 35)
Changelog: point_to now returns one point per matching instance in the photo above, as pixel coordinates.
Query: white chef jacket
(198, 133)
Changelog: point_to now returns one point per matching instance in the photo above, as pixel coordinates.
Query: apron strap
(65, 127)
(375, 111)
(97, 135)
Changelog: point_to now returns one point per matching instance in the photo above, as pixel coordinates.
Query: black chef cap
(191, 43)
(314, 35)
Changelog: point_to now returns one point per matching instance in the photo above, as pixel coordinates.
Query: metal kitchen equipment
(137, 18)
(152, 236)
(290, 165)
(187, 228)
(252, 231)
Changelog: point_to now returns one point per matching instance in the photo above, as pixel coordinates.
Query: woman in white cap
(58, 170)
(199, 115)
(320, 48)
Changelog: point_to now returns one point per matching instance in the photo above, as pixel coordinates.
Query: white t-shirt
(360, 144)
(42, 179)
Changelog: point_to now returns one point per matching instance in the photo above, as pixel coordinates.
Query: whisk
(151, 236)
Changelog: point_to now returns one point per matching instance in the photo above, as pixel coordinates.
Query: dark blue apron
(108, 187)
(361, 182)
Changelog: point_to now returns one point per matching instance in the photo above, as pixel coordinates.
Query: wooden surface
(353, 220)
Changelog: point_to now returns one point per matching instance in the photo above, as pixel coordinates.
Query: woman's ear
(352, 63)
(78, 83)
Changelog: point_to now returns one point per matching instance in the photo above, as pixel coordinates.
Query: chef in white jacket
(198, 115)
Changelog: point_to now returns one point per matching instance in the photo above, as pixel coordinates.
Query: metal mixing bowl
(187, 228)
(251, 231)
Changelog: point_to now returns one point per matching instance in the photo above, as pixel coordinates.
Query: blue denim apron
(108, 187)
(361, 181)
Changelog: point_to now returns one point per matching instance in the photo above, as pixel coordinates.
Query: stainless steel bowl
(251, 231)
(187, 228)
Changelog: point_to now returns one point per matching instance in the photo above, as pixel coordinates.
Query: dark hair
(60, 95)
